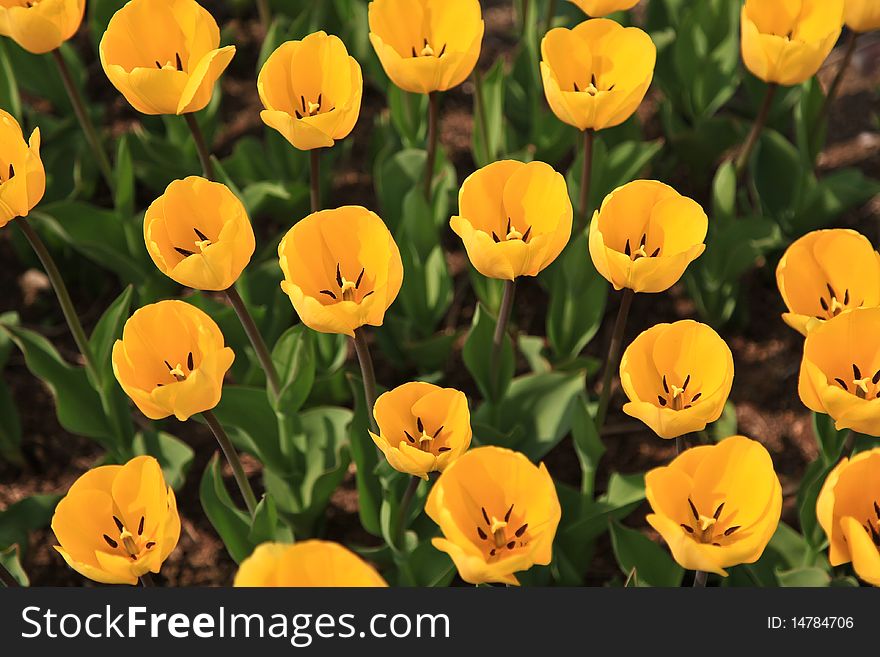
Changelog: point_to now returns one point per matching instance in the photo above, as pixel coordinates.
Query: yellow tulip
(825, 273)
(40, 26)
(677, 377)
(164, 56)
(604, 7)
(498, 513)
(786, 41)
(515, 218)
(198, 234)
(645, 235)
(311, 563)
(596, 74)
(426, 45)
(716, 506)
(840, 370)
(171, 360)
(118, 522)
(422, 427)
(848, 510)
(341, 268)
(22, 178)
(862, 15)
(311, 90)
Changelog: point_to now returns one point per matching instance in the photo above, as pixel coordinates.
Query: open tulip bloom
(825, 273)
(422, 427)
(198, 234)
(862, 15)
(514, 218)
(171, 360)
(645, 235)
(498, 513)
(342, 269)
(604, 7)
(311, 91)
(848, 510)
(716, 506)
(164, 56)
(118, 522)
(677, 377)
(22, 178)
(311, 563)
(40, 26)
(786, 41)
(840, 370)
(426, 45)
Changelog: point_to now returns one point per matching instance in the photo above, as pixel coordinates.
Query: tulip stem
(234, 462)
(742, 159)
(315, 178)
(201, 145)
(256, 338)
(146, 580)
(433, 116)
(551, 14)
(481, 113)
(64, 300)
(403, 509)
(838, 78)
(500, 329)
(368, 374)
(700, 578)
(85, 122)
(586, 177)
(613, 357)
(6, 577)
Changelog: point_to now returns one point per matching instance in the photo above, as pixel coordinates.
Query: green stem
(500, 329)
(700, 578)
(742, 159)
(85, 122)
(403, 510)
(586, 178)
(526, 6)
(201, 146)
(256, 338)
(838, 78)
(368, 374)
(146, 580)
(6, 577)
(433, 117)
(64, 300)
(613, 357)
(481, 113)
(315, 178)
(551, 14)
(234, 462)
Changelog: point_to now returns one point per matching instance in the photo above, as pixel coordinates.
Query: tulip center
(677, 398)
(425, 440)
(310, 108)
(129, 543)
(174, 65)
(873, 528)
(509, 532)
(4, 178)
(832, 307)
(347, 290)
(862, 387)
(710, 530)
(201, 244)
(427, 51)
(177, 372)
(641, 251)
(512, 234)
(592, 88)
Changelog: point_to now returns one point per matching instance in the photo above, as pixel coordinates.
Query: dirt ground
(766, 352)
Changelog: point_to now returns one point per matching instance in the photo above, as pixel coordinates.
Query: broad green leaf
(366, 458)
(108, 330)
(247, 416)
(408, 116)
(10, 99)
(587, 444)
(653, 564)
(266, 525)
(10, 559)
(25, 516)
(477, 356)
(294, 359)
(488, 136)
(801, 577)
(780, 175)
(232, 524)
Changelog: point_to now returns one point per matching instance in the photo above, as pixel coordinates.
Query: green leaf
(652, 563)
(124, 199)
(246, 414)
(725, 425)
(488, 137)
(587, 444)
(294, 359)
(10, 427)
(232, 524)
(174, 455)
(25, 516)
(830, 439)
(109, 329)
(266, 524)
(408, 112)
(366, 459)
(801, 577)
(477, 356)
(779, 174)
(10, 99)
(10, 559)
(724, 193)
(811, 127)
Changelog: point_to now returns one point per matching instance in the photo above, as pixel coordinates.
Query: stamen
(328, 293)
(158, 65)
(303, 101)
(626, 249)
(717, 513)
(201, 235)
(525, 236)
(183, 252)
(687, 528)
(876, 378)
(643, 240)
(338, 275)
(576, 86)
(694, 510)
(492, 552)
(481, 533)
(522, 530)
(508, 225)
(830, 290)
(11, 172)
(857, 373)
(665, 385)
(368, 294)
(511, 545)
(444, 449)
(437, 433)
(119, 524)
(419, 425)
(686, 381)
(141, 527)
(846, 297)
(823, 303)
(696, 397)
(111, 542)
(298, 115)
(442, 50)
(360, 277)
(656, 252)
(150, 545)
(320, 96)
(189, 366)
(842, 383)
(168, 365)
(877, 510)
(507, 515)
(414, 54)
(179, 63)
(495, 237)
(661, 399)
(728, 532)
(485, 515)
(409, 437)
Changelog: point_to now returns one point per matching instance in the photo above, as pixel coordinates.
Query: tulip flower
(22, 178)
(848, 510)
(341, 268)
(311, 90)
(825, 273)
(862, 15)
(515, 218)
(164, 56)
(426, 45)
(677, 377)
(645, 235)
(604, 7)
(786, 41)
(839, 370)
(422, 427)
(716, 506)
(40, 26)
(498, 513)
(198, 234)
(311, 563)
(171, 360)
(118, 522)
(596, 74)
